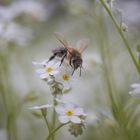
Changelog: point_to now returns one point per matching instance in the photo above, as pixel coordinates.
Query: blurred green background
(27, 34)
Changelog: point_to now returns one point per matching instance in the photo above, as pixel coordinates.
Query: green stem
(54, 117)
(139, 58)
(11, 127)
(122, 35)
(53, 132)
(47, 123)
(4, 88)
(107, 64)
(2, 85)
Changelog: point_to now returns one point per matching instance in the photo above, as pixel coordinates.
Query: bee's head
(76, 63)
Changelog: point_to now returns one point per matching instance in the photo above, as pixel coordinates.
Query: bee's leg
(52, 57)
(63, 59)
(73, 71)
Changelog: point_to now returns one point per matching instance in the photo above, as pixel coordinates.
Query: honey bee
(73, 55)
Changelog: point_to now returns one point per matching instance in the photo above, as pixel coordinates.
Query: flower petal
(75, 119)
(40, 71)
(50, 64)
(35, 63)
(56, 65)
(41, 107)
(39, 63)
(44, 76)
(54, 72)
(64, 119)
(78, 111)
(60, 109)
(70, 106)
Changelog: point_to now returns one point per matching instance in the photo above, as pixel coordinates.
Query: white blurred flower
(32, 8)
(93, 118)
(41, 107)
(93, 58)
(48, 69)
(65, 76)
(13, 32)
(135, 89)
(70, 113)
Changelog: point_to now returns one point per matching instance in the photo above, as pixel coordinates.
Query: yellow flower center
(49, 69)
(65, 77)
(69, 113)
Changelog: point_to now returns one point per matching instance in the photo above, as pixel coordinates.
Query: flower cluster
(53, 73)
(69, 113)
(59, 79)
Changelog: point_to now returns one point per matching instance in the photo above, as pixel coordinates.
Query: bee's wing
(82, 44)
(61, 38)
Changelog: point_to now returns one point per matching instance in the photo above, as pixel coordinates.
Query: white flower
(65, 76)
(13, 32)
(47, 69)
(16, 33)
(135, 89)
(33, 8)
(41, 107)
(69, 113)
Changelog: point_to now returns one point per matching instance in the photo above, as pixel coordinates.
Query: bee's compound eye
(76, 63)
(62, 51)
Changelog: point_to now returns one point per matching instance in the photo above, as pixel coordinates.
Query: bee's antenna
(80, 70)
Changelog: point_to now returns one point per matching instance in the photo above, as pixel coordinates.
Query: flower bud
(124, 27)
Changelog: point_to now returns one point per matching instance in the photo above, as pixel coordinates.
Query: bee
(73, 55)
